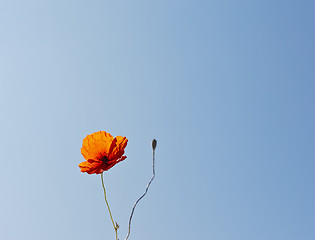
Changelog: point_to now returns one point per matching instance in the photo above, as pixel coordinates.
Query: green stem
(110, 213)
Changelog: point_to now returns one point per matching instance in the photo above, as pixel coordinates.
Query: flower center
(104, 159)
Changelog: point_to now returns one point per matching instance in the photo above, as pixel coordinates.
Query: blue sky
(226, 87)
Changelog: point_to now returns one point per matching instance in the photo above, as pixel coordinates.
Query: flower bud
(154, 142)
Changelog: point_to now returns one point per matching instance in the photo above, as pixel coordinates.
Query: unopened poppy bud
(154, 142)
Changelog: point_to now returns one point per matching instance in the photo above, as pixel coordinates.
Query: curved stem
(146, 190)
(110, 213)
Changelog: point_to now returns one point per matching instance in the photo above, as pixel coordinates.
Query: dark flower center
(104, 159)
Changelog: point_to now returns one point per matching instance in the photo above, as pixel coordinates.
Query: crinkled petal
(117, 148)
(92, 166)
(96, 145)
(112, 163)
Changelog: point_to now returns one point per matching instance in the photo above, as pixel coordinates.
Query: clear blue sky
(226, 87)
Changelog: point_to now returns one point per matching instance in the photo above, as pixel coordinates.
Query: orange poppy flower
(102, 151)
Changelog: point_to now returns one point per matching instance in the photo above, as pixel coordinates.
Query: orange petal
(92, 166)
(117, 148)
(112, 163)
(96, 145)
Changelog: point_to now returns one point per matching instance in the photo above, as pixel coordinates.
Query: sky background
(226, 87)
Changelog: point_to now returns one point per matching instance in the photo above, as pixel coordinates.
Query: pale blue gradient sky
(226, 87)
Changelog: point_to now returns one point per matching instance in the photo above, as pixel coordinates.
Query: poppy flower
(102, 151)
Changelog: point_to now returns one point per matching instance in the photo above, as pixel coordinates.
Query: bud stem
(154, 142)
